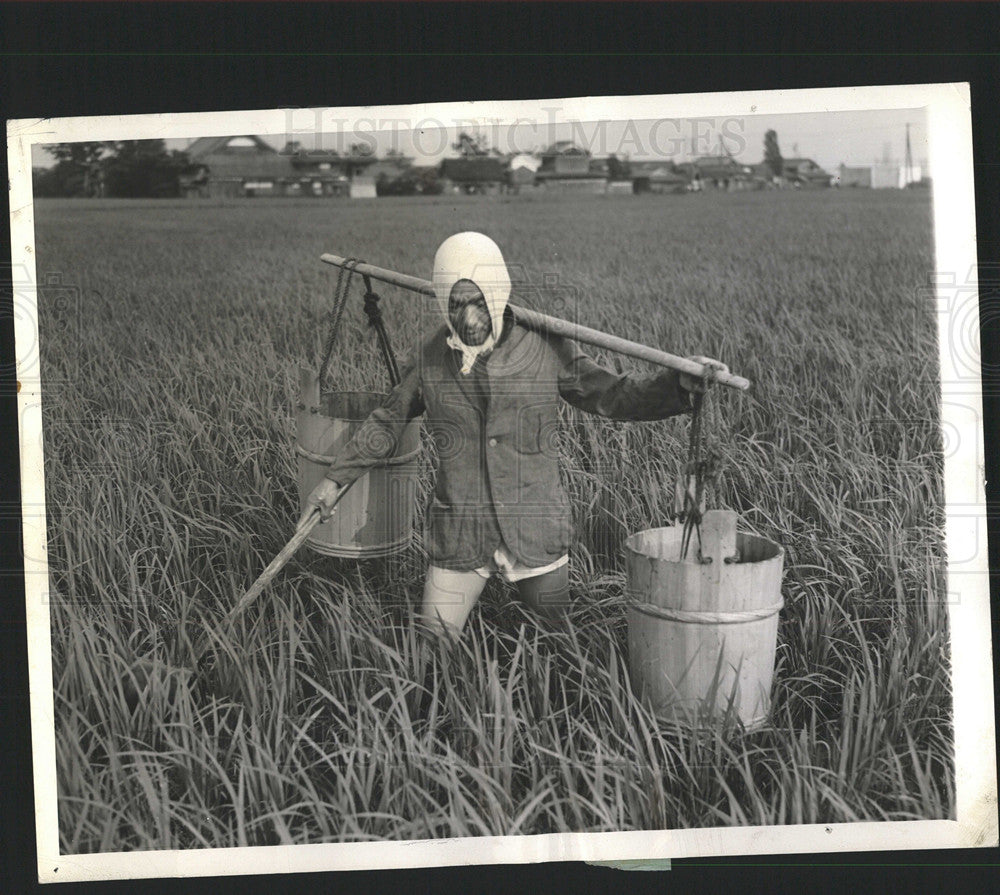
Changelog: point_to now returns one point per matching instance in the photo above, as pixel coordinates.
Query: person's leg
(547, 594)
(449, 598)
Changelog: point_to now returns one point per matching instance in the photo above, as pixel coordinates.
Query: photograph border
(951, 170)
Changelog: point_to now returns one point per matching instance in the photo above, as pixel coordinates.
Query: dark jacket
(496, 434)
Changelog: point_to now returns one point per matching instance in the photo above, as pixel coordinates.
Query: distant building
(236, 166)
(880, 176)
(916, 177)
(657, 177)
(193, 182)
(854, 176)
(599, 167)
(619, 187)
(524, 160)
(249, 166)
(804, 172)
(565, 158)
(474, 174)
(892, 175)
(565, 167)
(885, 175)
(521, 172)
(328, 173)
(718, 171)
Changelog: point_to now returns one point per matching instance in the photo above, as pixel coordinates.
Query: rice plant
(168, 425)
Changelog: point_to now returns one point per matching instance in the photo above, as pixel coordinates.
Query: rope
(344, 277)
(695, 617)
(378, 324)
(326, 460)
(375, 320)
(701, 467)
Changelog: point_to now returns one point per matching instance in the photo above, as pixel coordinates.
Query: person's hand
(698, 384)
(323, 496)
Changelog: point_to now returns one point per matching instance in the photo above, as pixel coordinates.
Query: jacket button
(493, 442)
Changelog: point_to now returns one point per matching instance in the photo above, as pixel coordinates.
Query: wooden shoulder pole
(557, 326)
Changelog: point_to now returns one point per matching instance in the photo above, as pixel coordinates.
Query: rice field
(171, 482)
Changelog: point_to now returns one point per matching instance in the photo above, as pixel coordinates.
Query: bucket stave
(375, 518)
(703, 634)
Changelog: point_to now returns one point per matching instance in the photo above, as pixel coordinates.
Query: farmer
(490, 390)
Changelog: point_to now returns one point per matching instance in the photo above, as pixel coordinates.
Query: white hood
(472, 256)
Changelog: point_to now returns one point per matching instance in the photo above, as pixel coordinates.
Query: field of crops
(170, 482)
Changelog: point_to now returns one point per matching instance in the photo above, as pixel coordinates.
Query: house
(850, 176)
(881, 175)
(657, 177)
(236, 166)
(764, 176)
(325, 172)
(521, 171)
(619, 187)
(249, 166)
(565, 158)
(886, 175)
(565, 167)
(193, 182)
(804, 172)
(719, 171)
(474, 174)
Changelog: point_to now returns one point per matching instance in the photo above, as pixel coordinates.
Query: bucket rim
(368, 393)
(631, 545)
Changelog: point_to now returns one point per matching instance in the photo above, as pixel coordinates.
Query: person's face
(468, 313)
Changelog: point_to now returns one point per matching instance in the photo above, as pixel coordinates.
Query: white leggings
(450, 596)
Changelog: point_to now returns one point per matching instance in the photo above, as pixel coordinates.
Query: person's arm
(375, 439)
(586, 384)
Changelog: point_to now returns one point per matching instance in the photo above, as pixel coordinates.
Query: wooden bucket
(703, 634)
(376, 516)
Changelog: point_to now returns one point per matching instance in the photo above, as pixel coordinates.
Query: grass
(169, 393)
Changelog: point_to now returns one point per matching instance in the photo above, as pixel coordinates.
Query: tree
(410, 182)
(127, 168)
(144, 168)
(772, 155)
(45, 183)
(618, 169)
(470, 145)
(78, 170)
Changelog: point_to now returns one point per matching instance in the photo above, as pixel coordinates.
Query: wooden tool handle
(276, 564)
(558, 326)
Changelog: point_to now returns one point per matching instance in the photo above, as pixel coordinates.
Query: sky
(829, 138)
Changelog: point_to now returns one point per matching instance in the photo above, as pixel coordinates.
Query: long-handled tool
(144, 670)
(277, 564)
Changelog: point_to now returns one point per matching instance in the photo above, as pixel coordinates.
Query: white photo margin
(950, 158)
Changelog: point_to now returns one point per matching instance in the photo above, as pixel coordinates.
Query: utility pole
(908, 163)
